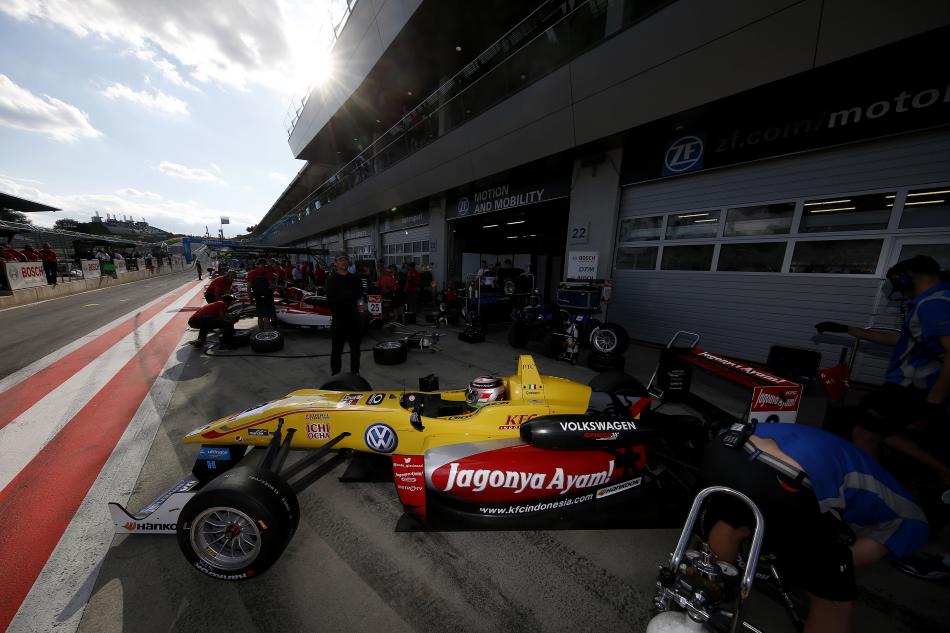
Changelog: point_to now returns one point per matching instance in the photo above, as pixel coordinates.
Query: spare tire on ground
(472, 335)
(347, 382)
(267, 341)
(610, 338)
(390, 352)
(605, 362)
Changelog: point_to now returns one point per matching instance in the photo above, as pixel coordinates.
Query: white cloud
(60, 121)
(215, 167)
(188, 217)
(279, 177)
(266, 42)
(188, 173)
(157, 100)
(168, 69)
(130, 192)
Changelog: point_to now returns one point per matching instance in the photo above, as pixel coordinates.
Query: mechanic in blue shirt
(809, 484)
(918, 376)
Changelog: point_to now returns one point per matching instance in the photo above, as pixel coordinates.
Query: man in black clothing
(343, 292)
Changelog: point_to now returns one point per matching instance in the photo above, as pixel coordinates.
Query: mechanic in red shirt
(288, 271)
(49, 257)
(32, 255)
(213, 317)
(219, 287)
(259, 287)
(11, 254)
(319, 276)
(276, 272)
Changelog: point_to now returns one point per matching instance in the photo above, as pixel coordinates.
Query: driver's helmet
(483, 390)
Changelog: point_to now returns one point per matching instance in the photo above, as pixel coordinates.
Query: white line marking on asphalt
(61, 591)
(89, 305)
(22, 374)
(32, 430)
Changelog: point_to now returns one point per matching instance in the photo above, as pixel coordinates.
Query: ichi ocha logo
(381, 438)
(684, 154)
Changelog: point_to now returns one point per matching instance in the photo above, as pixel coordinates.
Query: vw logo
(684, 154)
(463, 207)
(381, 438)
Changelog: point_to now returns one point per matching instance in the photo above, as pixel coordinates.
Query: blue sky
(171, 111)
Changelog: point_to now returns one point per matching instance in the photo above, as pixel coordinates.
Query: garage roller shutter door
(415, 234)
(744, 314)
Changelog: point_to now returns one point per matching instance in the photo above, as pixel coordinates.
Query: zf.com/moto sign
(684, 154)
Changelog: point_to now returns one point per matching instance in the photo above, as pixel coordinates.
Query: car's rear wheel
(610, 338)
(390, 352)
(267, 341)
(239, 524)
(347, 382)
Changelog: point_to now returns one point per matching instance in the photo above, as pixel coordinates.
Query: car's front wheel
(239, 524)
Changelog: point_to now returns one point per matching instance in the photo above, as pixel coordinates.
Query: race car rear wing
(766, 397)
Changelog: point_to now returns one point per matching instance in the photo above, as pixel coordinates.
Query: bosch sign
(20, 275)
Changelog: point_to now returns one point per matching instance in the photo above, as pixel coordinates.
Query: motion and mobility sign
(503, 197)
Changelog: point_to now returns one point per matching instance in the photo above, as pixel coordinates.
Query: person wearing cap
(213, 317)
(49, 257)
(343, 293)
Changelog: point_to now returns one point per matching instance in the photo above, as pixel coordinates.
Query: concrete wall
(595, 198)
(369, 31)
(64, 288)
(689, 53)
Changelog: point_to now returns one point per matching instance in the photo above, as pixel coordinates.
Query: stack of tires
(608, 343)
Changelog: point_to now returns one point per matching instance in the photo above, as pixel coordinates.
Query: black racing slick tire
(610, 338)
(347, 382)
(606, 362)
(390, 352)
(267, 341)
(238, 525)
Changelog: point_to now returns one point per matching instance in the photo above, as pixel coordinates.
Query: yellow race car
(531, 451)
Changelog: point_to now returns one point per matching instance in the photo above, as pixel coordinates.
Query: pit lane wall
(32, 287)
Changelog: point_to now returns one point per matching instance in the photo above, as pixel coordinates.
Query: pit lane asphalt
(30, 332)
(348, 570)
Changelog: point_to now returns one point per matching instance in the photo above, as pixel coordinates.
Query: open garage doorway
(533, 237)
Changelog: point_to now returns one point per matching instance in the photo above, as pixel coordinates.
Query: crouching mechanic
(213, 316)
(806, 482)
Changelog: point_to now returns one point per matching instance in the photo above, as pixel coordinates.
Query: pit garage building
(742, 170)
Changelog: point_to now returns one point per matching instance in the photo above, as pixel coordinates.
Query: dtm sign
(684, 154)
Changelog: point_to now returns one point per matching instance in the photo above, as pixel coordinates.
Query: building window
(854, 213)
(416, 247)
(692, 257)
(765, 257)
(640, 229)
(693, 225)
(425, 246)
(940, 252)
(766, 219)
(636, 257)
(924, 208)
(845, 257)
